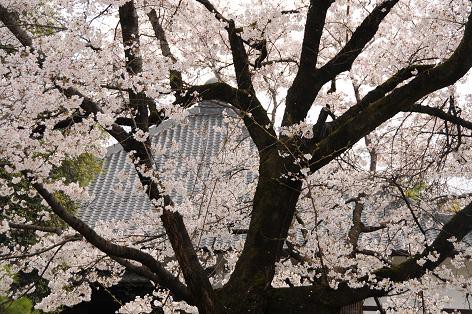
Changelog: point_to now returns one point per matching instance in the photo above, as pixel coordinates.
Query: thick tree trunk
(274, 206)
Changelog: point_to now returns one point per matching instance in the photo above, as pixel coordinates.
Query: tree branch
(194, 274)
(315, 21)
(309, 81)
(130, 33)
(55, 230)
(210, 7)
(436, 112)
(458, 227)
(134, 62)
(442, 247)
(175, 77)
(359, 39)
(166, 279)
(254, 115)
(12, 22)
(383, 89)
(301, 94)
(351, 129)
(240, 59)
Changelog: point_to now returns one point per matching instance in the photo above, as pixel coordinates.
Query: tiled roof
(115, 192)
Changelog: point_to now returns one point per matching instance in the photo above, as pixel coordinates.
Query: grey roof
(115, 195)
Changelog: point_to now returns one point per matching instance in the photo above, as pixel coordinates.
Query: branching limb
(441, 248)
(11, 20)
(240, 59)
(301, 94)
(315, 21)
(244, 98)
(175, 76)
(31, 227)
(210, 7)
(309, 80)
(166, 279)
(130, 33)
(350, 129)
(359, 39)
(254, 115)
(383, 89)
(76, 237)
(437, 112)
(194, 274)
(358, 227)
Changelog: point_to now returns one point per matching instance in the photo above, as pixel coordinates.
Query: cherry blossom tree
(355, 107)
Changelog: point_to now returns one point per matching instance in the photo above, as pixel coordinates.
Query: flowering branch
(165, 278)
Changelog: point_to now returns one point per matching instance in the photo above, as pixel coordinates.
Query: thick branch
(361, 36)
(384, 88)
(302, 93)
(442, 247)
(315, 21)
(166, 279)
(352, 129)
(458, 227)
(254, 115)
(210, 7)
(11, 21)
(244, 98)
(130, 33)
(308, 82)
(91, 107)
(134, 62)
(175, 77)
(240, 59)
(194, 274)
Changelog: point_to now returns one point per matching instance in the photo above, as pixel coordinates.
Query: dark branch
(436, 112)
(315, 21)
(385, 88)
(458, 227)
(130, 33)
(175, 76)
(361, 36)
(210, 7)
(443, 247)
(166, 279)
(254, 115)
(350, 129)
(301, 94)
(240, 59)
(194, 274)
(309, 80)
(35, 228)
(11, 20)
(134, 63)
